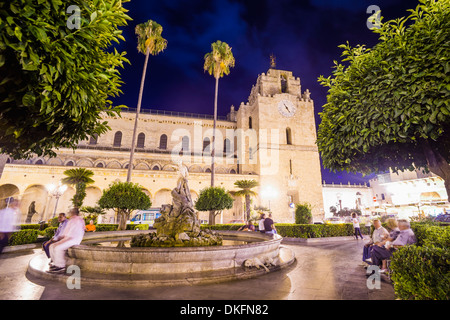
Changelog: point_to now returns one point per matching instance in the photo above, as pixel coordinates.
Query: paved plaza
(322, 271)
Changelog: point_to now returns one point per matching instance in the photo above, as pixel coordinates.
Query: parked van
(145, 216)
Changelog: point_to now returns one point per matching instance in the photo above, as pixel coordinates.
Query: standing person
(57, 236)
(268, 225)
(73, 234)
(355, 222)
(8, 221)
(261, 224)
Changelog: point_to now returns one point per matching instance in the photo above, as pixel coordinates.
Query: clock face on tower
(286, 108)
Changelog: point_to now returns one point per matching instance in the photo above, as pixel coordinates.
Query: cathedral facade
(270, 138)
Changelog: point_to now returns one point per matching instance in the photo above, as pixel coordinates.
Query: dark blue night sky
(303, 35)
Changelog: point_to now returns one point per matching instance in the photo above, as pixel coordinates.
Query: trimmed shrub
(228, 226)
(24, 236)
(314, 230)
(114, 226)
(34, 226)
(49, 232)
(303, 213)
(421, 273)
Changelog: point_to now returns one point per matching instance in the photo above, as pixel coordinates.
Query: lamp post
(57, 192)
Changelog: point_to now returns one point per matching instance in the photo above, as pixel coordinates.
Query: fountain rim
(113, 235)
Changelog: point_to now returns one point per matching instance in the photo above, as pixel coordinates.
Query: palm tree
(150, 42)
(80, 178)
(217, 62)
(246, 186)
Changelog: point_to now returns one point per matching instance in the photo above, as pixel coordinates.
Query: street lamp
(57, 192)
(268, 192)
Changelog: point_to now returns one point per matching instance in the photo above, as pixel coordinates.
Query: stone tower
(283, 153)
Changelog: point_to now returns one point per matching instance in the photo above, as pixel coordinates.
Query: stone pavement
(322, 271)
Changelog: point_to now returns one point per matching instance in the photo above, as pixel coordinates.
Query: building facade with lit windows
(270, 138)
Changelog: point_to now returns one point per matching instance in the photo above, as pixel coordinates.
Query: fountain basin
(152, 266)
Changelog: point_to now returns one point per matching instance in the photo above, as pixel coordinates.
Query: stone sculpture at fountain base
(178, 224)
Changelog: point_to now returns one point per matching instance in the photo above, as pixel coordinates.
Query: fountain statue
(178, 224)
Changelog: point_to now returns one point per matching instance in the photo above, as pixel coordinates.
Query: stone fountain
(178, 253)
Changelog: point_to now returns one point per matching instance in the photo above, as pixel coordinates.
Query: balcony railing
(176, 114)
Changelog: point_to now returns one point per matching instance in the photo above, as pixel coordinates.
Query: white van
(145, 216)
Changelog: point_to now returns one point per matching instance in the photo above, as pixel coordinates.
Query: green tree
(124, 197)
(218, 63)
(80, 178)
(303, 213)
(150, 42)
(388, 107)
(214, 200)
(55, 82)
(246, 191)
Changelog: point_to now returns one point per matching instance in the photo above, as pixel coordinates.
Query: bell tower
(285, 155)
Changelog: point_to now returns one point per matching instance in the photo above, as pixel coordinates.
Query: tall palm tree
(246, 186)
(217, 62)
(150, 42)
(80, 178)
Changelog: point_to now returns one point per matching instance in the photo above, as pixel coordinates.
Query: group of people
(383, 243)
(265, 225)
(70, 232)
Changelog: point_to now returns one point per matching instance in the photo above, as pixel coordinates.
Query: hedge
(422, 271)
(113, 227)
(24, 236)
(229, 226)
(314, 230)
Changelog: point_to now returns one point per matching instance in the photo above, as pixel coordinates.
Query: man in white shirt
(378, 235)
(72, 235)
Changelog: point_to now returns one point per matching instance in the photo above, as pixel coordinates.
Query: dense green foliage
(389, 106)
(124, 197)
(55, 80)
(303, 213)
(24, 236)
(214, 200)
(314, 230)
(422, 271)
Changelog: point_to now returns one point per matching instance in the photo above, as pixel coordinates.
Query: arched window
(226, 146)
(232, 171)
(208, 170)
(185, 143)
(93, 139)
(206, 145)
(250, 123)
(155, 168)
(141, 140)
(117, 139)
(70, 163)
(163, 142)
(39, 162)
(283, 84)
(288, 136)
(99, 165)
